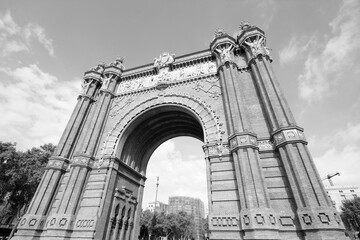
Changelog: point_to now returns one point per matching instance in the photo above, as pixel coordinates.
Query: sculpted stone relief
(167, 76)
(210, 86)
(257, 46)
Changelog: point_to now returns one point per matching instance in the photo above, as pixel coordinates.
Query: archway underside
(153, 128)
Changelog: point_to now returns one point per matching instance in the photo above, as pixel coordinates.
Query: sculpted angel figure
(225, 53)
(257, 46)
(105, 83)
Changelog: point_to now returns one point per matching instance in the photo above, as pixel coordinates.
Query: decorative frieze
(324, 218)
(242, 140)
(216, 150)
(225, 221)
(58, 163)
(32, 222)
(82, 161)
(166, 76)
(284, 136)
(286, 221)
(85, 223)
(101, 163)
(265, 145)
(210, 86)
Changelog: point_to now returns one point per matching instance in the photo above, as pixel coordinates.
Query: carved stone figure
(257, 46)
(219, 32)
(99, 68)
(118, 63)
(225, 53)
(105, 83)
(164, 60)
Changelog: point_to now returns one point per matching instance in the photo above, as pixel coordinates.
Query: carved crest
(244, 25)
(219, 32)
(164, 60)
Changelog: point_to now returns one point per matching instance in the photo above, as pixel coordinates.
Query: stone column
(83, 159)
(59, 162)
(315, 213)
(130, 223)
(256, 216)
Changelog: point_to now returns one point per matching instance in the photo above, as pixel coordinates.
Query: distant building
(160, 207)
(338, 194)
(192, 206)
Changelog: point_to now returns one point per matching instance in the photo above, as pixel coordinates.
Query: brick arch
(207, 117)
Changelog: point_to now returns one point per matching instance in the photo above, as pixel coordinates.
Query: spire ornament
(219, 32)
(99, 68)
(118, 63)
(244, 25)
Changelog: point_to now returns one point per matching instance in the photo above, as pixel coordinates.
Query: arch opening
(153, 128)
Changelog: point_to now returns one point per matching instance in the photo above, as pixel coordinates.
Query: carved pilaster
(253, 41)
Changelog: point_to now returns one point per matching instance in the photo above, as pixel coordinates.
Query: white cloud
(14, 38)
(296, 48)
(267, 11)
(178, 176)
(7, 24)
(36, 105)
(324, 68)
(340, 152)
(345, 161)
(32, 30)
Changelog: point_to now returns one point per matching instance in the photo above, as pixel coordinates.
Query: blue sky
(46, 46)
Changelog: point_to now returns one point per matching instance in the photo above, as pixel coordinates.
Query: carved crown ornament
(219, 32)
(244, 25)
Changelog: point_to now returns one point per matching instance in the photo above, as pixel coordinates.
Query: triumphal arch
(262, 182)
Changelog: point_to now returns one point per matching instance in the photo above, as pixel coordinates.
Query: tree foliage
(174, 226)
(351, 213)
(20, 174)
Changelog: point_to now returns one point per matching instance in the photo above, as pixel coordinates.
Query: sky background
(46, 46)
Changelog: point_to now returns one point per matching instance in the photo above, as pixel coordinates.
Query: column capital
(252, 39)
(82, 160)
(216, 149)
(58, 163)
(243, 140)
(292, 134)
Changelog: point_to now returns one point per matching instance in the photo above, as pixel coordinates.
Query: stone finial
(244, 25)
(118, 63)
(219, 32)
(99, 68)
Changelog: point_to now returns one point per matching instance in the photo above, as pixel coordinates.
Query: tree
(175, 225)
(20, 174)
(351, 213)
